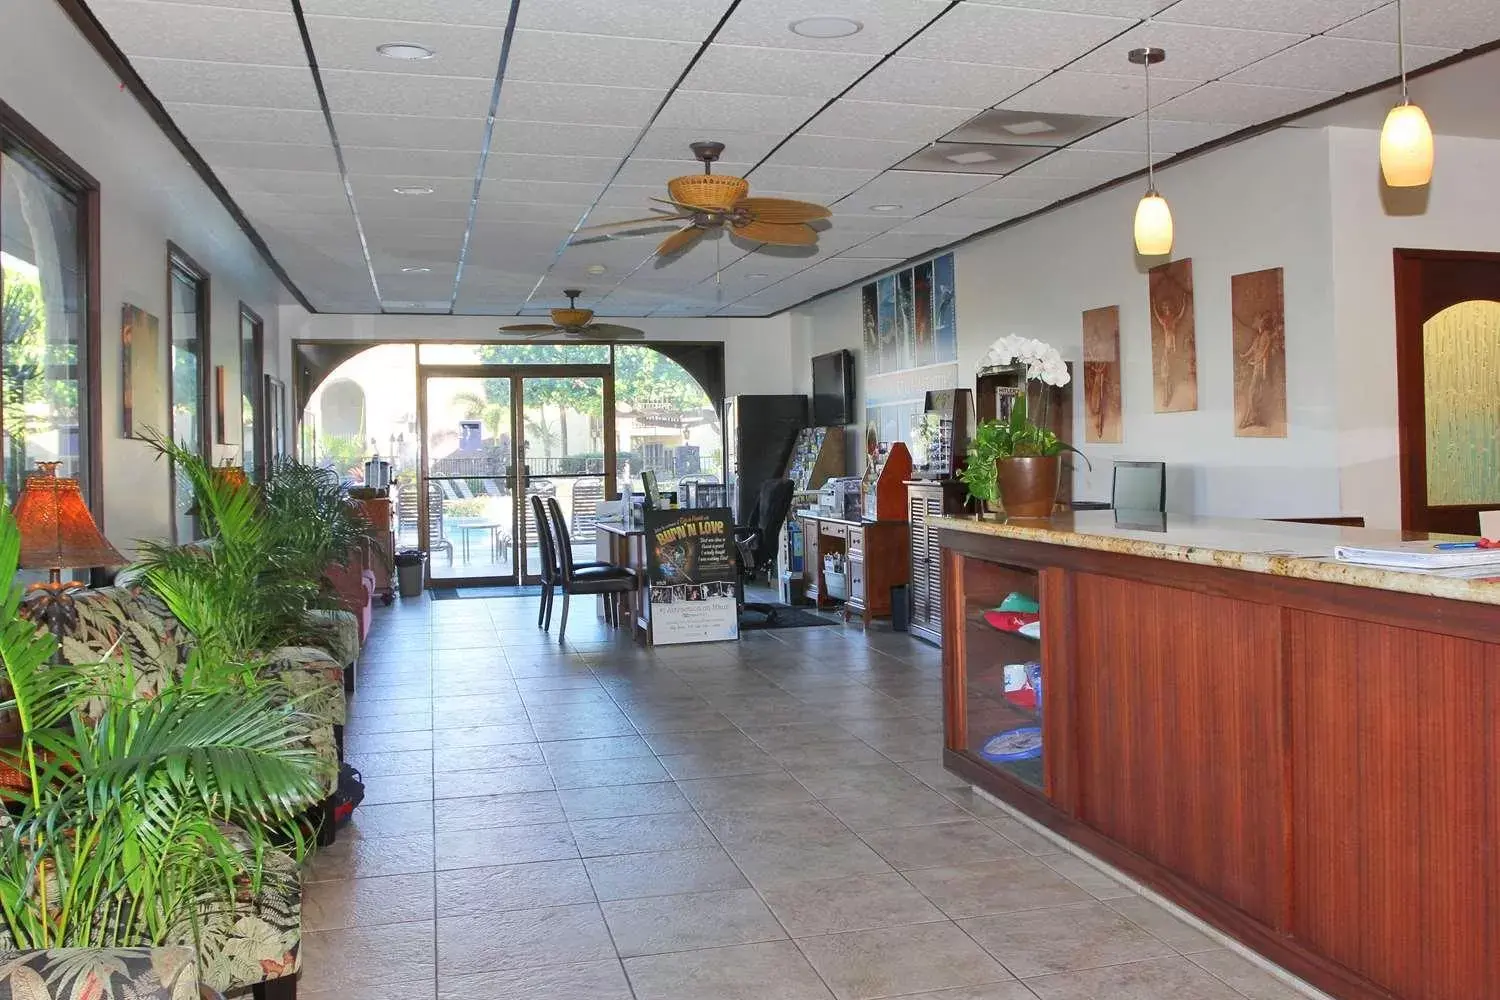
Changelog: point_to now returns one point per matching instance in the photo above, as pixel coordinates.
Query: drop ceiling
(535, 118)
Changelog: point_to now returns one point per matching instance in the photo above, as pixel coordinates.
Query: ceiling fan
(710, 201)
(576, 322)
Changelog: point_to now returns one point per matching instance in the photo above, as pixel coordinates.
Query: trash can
(900, 609)
(410, 567)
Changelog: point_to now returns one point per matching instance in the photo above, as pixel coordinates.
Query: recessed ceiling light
(885, 208)
(415, 270)
(596, 269)
(412, 190)
(971, 156)
(1034, 127)
(405, 50)
(826, 27)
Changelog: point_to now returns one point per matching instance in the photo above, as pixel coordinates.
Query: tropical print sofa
(100, 974)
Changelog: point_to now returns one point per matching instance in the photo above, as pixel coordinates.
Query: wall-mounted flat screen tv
(833, 389)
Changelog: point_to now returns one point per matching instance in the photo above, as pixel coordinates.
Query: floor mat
(785, 616)
(461, 593)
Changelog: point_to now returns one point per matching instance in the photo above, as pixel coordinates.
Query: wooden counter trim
(1447, 616)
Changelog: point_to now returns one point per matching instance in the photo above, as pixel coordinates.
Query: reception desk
(1304, 753)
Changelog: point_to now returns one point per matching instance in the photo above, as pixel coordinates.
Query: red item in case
(1010, 621)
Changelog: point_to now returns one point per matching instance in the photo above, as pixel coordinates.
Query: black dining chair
(551, 573)
(609, 582)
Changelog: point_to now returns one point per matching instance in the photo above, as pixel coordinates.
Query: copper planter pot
(1028, 486)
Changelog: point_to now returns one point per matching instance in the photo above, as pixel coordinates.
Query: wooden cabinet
(377, 511)
(876, 560)
(926, 499)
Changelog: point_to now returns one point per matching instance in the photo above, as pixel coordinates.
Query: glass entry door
(492, 437)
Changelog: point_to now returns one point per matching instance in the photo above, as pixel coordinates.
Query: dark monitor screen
(1139, 486)
(833, 389)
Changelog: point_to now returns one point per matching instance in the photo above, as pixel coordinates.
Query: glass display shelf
(1003, 674)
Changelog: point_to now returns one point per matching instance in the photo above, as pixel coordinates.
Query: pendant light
(1406, 139)
(1153, 217)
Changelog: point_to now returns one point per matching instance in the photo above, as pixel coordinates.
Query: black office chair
(609, 582)
(756, 542)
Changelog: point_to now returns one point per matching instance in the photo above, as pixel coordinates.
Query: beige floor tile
(482, 812)
(1024, 836)
(520, 939)
(392, 819)
(484, 758)
(897, 960)
(770, 863)
(989, 991)
(424, 989)
(744, 791)
(916, 807)
(663, 873)
(848, 752)
(494, 781)
(467, 891)
(381, 722)
(569, 751)
(771, 971)
(358, 958)
(358, 741)
(481, 736)
(588, 981)
(511, 845)
(1087, 877)
(608, 771)
(369, 857)
(385, 788)
(944, 844)
(834, 782)
(1175, 978)
(1176, 932)
(659, 924)
(862, 902)
(605, 801)
(1063, 939)
(638, 834)
(718, 763)
(1249, 979)
(779, 822)
(362, 902)
(990, 887)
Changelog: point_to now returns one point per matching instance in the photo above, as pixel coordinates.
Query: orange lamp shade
(56, 527)
(232, 475)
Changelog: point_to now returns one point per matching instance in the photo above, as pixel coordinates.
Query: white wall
(1264, 203)
(1459, 211)
(53, 78)
(758, 353)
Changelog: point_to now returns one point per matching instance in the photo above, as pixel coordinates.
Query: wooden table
(878, 558)
(1304, 753)
(622, 545)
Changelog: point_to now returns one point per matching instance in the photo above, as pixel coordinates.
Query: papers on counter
(1417, 556)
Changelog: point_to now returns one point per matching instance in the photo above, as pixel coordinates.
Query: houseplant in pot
(1014, 461)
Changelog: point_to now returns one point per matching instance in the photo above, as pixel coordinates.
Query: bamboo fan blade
(679, 241)
(683, 207)
(529, 328)
(794, 235)
(647, 222)
(612, 331)
(783, 210)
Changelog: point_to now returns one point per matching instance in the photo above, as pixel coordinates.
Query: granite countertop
(1277, 548)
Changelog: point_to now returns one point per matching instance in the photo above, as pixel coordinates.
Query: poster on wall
(1101, 376)
(143, 372)
(1259, 312)
(1174, 341)
(691, 568)
(915, 347)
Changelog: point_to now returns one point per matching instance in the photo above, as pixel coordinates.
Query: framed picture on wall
(143, 386)
(221, 390)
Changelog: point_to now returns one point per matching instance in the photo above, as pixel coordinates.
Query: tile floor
(766, 820)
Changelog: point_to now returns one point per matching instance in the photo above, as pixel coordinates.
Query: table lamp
(57, 530)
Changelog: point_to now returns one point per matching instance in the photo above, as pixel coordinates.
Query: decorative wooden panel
(924, 501)
(1397, 870)
(1180, 735)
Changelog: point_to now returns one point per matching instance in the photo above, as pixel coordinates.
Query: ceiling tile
(1194, 52)
(558, 139)
(558, 102)
(351, 92)
(269, 155)
(939, 82)
(1025, 186)
(1455, 24)
(712, 110)
(914, 192)
(821, 151)
(988, 211)
(208, 34)
(1114, 8)
(1269, 15)
(382, 186)
(484, 13)
(1067, 92)
(410, 132)
(854, 222)
(640, 171)
(662, 143)
(1337, 64)
(776, 72)
(214, 123)
(597, 60)
(892, 245)
(545, 192)
(349, 43)
(326, 185)
(595, 170)
(563, 216)
(950, 226)
(820, 180)
(427, 163)
(1166, 136)
(1028, 128)
(886, 23)
(972, 158)
(1220, 102)
(390, 206)
(683, 20)
(1083, 164)
(630, 199)
(1011, 36)
(228, 84)
(383, 229)
(869, 120)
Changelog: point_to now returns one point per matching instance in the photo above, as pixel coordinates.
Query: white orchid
(1041, 359)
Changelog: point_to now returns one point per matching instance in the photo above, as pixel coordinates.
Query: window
(187, 324)
(48, 326)
(252, 367)
(666, 422)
